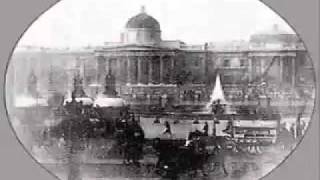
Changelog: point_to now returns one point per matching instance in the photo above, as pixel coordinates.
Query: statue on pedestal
(110, 86)
(78, 87)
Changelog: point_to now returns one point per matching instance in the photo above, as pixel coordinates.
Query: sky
(74, 23)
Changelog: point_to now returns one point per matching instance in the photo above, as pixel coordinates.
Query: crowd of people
(191, 95)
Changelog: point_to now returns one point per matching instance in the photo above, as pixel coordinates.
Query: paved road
(240, 167)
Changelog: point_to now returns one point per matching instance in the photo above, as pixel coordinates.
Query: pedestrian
(298, 126)
(293, 131)
(206, 129)
(199, 155)
(138, 142)
(61, 142)
(128, 143)
(167, 129)
(219, 158)
(157, 120)
(120, 136)
(303, 127)
(214, 107)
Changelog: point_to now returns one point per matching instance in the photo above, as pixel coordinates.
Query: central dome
(142, 29)
(143, 20)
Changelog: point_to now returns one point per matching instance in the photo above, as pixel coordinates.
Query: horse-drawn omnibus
(255, 133)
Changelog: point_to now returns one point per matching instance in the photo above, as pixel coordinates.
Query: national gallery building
(147, 68)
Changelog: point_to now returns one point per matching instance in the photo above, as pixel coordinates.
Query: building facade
(149, 69)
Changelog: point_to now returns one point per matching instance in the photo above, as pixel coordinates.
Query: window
(226, 63)
(196, 63)
(242, 62)
(183, 63)
(227, 78)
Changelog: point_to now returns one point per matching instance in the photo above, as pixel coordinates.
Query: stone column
(129, 70)
(117, 70)
(134, 70)
(102, 69)
(161, 69)
(281, 69)
(124, 72)
(262, 62)
(150, 72)
(172, 71)
(203, 69)
(250, 69)
(293, 75)
(156, 69)
(140, 72)
(254, 67)
(109, 68)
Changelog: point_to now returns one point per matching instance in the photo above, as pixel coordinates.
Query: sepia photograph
(160, 90)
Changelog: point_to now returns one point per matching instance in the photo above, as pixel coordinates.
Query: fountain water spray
(217, 94)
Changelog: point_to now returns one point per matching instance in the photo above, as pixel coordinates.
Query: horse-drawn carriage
(181, 156)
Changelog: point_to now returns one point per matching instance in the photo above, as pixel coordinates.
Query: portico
(132, 68)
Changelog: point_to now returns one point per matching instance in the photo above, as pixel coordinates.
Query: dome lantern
(143, 9)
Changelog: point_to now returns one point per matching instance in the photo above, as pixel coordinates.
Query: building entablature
(125, 47)
(271, 53)
(231, 54)
(265, 52)
(136, 50)
(233, 68)
(135, 53)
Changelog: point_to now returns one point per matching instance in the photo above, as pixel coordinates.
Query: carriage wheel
(210, 167)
